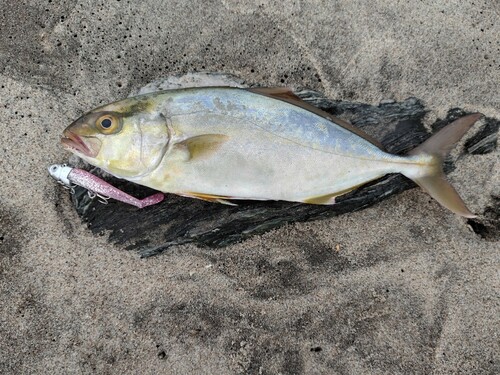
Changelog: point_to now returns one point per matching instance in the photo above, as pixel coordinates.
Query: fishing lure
(70, 177)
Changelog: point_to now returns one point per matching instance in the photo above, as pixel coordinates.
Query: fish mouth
(74, 143)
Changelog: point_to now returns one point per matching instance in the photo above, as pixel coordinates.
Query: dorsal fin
(282, 93)
(286, 94)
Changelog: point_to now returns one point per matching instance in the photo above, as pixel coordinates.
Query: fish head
(127, 139)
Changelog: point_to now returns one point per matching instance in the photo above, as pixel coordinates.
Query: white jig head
(60, 172)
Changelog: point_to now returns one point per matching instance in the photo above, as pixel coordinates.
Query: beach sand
(402, 287)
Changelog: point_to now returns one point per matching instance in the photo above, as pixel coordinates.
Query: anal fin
(329, 198)
(322, 199)
(209, 198)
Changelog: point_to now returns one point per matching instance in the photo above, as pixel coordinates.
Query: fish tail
(431, 177)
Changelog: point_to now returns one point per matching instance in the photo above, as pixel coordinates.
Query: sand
(401, 287)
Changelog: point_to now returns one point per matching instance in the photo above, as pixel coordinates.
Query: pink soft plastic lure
(69, 176)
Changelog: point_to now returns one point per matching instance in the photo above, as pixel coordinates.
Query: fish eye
(108, 124)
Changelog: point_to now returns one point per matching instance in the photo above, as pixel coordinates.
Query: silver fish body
(274, 150)
(227, 143)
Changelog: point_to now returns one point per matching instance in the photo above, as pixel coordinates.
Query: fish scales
(303, 147)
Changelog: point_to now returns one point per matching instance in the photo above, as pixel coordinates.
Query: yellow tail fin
(438, 146)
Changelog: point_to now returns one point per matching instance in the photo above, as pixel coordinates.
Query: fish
(70, 177)
(223, 144)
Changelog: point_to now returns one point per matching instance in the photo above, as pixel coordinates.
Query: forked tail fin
(439, 145)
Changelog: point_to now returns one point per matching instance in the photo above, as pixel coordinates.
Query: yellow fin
(203, 146)
(286, 94)
(329, 198)
(322, 199)
(434, 181)
(209, 198)
(441, 190)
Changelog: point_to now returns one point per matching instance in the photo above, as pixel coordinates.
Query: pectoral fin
(202, 146)
(209, 198)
